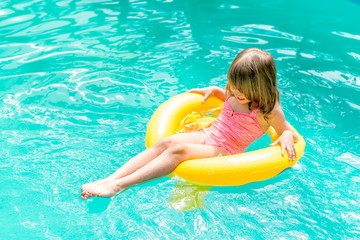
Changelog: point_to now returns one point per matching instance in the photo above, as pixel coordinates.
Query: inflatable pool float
(233, 170)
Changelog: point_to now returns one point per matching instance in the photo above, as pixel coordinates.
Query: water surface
(80, 80)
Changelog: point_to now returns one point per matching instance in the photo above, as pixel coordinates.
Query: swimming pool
(80, 80)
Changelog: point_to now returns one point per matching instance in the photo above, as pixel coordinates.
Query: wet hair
(253, 73)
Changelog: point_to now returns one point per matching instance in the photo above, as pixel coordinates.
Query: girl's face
(239, 95)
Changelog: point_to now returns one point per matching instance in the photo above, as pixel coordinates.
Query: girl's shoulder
(274, 118)
(262, 121)
(277, 111)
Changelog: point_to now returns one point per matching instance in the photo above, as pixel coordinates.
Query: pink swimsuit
(233, 131)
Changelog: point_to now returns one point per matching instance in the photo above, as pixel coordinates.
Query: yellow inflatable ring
(231, 170)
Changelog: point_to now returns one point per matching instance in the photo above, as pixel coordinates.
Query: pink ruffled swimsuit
(233, 131)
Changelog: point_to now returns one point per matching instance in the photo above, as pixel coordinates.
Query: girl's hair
(253, 73)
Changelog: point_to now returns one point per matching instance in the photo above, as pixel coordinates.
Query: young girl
(251, 105)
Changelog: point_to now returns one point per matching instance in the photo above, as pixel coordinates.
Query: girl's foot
(92, 184)
(101, 188)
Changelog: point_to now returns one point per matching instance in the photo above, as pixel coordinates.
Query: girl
(251, 105)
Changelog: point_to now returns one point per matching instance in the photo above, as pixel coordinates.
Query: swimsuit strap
(254, 112)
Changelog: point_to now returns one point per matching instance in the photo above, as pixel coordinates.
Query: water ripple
(245, 40)
(16, 20)
(264, 31)
(347, 35)
(22, 6)
(81, 18)
(42, 28)
(349, 158)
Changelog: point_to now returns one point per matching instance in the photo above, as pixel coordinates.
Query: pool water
(80, 80)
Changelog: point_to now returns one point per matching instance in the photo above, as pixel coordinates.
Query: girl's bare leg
(148, 155)
(161, 166)
(151, 153)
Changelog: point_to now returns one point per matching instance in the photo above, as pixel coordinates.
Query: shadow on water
(97, 205)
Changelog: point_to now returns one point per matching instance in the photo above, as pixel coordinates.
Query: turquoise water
(80, 80)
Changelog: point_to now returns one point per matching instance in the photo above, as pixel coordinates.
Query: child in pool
(251, 105)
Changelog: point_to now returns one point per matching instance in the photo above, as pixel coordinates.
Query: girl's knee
(173, 148)
(164, 143)
(178, 151)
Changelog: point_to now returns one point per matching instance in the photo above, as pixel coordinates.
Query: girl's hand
(208, 91)
(286, 141)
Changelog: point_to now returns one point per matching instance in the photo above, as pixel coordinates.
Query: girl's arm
(208, 91)
(283, 129)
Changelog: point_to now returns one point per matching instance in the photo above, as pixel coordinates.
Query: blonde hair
(253, 73)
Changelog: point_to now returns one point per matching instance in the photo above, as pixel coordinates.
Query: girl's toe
(84, 196)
